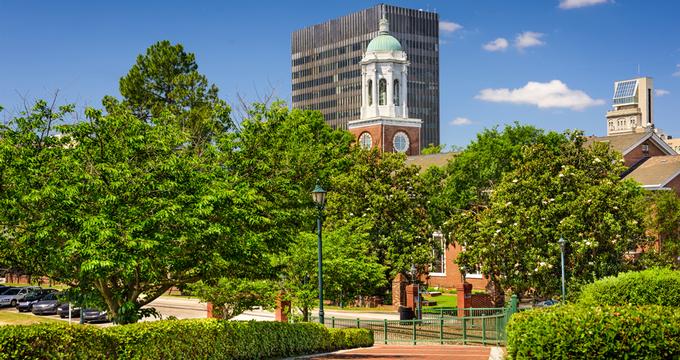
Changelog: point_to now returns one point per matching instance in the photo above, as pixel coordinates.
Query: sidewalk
(437, 352)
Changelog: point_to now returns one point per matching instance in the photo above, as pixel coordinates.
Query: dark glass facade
(326, 74)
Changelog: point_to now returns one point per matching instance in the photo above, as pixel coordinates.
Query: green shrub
(176, 339)
(607, 332)
(656, 286)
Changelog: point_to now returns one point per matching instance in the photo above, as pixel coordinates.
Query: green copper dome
(384, 41)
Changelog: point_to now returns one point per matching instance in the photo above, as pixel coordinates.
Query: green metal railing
(478, 326)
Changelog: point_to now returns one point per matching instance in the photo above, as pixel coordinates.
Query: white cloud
(449, 26)
(499, 44)
(661, 92)
(529, 39)
(677, 73)
(575, 4)
(461, 121)
(553, 94)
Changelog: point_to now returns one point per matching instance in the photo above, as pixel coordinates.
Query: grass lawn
(443, 301)
(11, 317)
(379, 309)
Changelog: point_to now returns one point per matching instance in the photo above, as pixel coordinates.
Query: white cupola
(384, 70)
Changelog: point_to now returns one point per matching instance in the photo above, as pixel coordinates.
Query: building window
(395, 94)
(365, 141)
(400, 142)
(438, 267)
(382, 89)
(370, 92)
(611, 125)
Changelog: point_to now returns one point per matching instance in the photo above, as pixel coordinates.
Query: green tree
(477, 169)
(661, 211)
(350, 270)
(383, 196)
(166, 79)
(570, 191)
(122, 207)
(233, 296)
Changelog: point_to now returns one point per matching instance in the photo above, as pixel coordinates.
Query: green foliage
(232, 296)
(177, 339)
(662, 221)
(433, 149)
(165, 81)
(568, 191)
(384, 197)
(656, 286)
(120, 207)
(578, 332)
(479, 167)
(350, 270)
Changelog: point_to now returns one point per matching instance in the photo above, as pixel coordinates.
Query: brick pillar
(210, 310)
(398, 291)
(282, 309)
(464, 294)
(411, 296)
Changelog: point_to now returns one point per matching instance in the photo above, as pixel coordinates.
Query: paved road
(420, 352)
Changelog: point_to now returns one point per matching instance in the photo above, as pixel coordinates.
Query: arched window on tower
(382, 89)
(395, 92)
(370, 92)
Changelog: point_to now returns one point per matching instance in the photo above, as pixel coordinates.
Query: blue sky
(571, 55)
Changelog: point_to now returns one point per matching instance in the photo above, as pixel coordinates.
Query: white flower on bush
(508, 203)
(499, 221)
(515, 180)
(597, 160)
(560, 175)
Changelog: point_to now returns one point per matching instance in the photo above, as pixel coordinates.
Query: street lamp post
(414, 273)
(319, 196)
(561, 241)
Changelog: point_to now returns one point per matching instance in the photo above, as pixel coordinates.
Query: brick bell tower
(384, 122)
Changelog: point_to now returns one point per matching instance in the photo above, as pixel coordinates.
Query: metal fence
(443, 326)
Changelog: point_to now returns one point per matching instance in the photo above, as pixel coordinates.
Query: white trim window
(438, 267)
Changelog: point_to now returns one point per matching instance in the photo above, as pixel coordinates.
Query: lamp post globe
(319, 197)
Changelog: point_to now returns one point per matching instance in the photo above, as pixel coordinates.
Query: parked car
(11, 297)
(62, 311)
(26, 304)
(4, 288)
(94, 315)
(47, 305)
(549, 302)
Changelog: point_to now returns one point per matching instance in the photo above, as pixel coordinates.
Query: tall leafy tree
(123, 208)
(383, 196)
(661, 211)
(166, 80)
(570, 191)
(480, 166)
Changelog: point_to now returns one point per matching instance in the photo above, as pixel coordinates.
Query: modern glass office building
(326, 74)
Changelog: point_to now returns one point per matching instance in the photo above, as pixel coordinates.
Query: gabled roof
(625, 143)
(426, 161)
(656, 171)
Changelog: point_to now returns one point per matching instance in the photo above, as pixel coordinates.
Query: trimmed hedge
(656, 286)
(176, 339)
(607, 332)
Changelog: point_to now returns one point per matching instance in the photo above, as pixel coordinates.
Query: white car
(12, 296)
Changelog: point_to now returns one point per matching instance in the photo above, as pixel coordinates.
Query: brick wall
(453, 276)
(637, 154)
(389, 131)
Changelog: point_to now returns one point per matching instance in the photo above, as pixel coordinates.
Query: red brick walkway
(439, 352)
